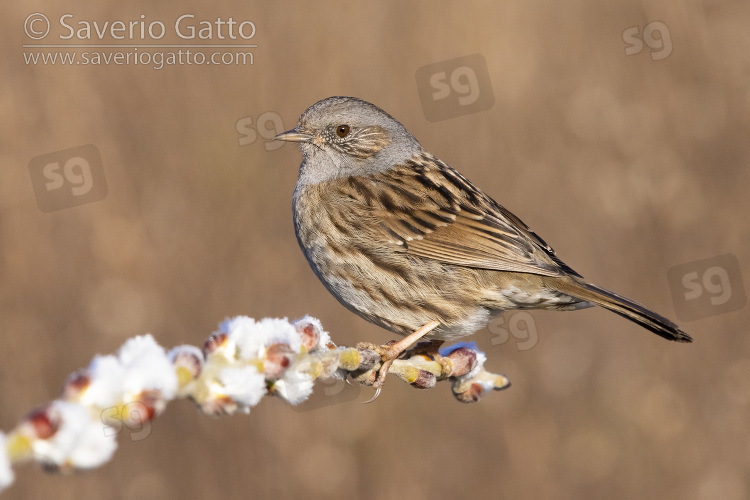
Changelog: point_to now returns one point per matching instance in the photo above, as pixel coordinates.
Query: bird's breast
(376, 279)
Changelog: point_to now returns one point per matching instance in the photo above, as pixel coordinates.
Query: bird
(406, 242)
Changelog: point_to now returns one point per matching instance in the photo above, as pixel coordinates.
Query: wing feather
(429, 210)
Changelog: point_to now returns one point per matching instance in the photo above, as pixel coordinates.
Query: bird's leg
(389, 353)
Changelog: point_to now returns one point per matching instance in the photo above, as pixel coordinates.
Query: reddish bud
(309, 333)
(149, 404)
(214, 342)
(75, 384)
(425, 380)
(190, 359)
(471, 395)
(367, 358)
(463, 360)
(278, 359)
(43, 422)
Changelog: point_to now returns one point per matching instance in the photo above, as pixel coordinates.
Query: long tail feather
(631, 310)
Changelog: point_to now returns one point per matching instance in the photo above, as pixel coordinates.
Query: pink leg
(390, 353)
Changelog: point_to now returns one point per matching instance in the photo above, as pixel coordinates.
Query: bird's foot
(392, 350)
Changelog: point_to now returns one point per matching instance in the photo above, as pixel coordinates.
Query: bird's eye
(342, 130)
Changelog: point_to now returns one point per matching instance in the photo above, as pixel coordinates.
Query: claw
(377, 393)
(389, 353)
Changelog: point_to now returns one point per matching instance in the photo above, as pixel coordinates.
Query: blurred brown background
(626, 165)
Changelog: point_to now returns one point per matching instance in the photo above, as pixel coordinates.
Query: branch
(238, 365)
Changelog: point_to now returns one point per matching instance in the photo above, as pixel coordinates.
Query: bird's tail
(631, 310)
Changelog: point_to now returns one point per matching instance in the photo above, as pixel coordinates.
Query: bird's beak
(293, 136)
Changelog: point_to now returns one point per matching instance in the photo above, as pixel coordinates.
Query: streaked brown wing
(435, 213)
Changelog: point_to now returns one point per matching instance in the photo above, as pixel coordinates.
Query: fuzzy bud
(367, 358)
(278, 359)
(350, 359)
(42, 422)
(424, 380)
(188, 363)
(470, 394)
(218, 406)
(213, 343)
(154, 404)
(309, 332)
(76, 383)
(463, 360)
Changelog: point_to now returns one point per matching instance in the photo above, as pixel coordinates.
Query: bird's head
(346, 136)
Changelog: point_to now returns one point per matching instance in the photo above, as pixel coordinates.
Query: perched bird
(408, 243)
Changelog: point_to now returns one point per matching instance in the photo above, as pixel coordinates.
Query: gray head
(345, 136)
